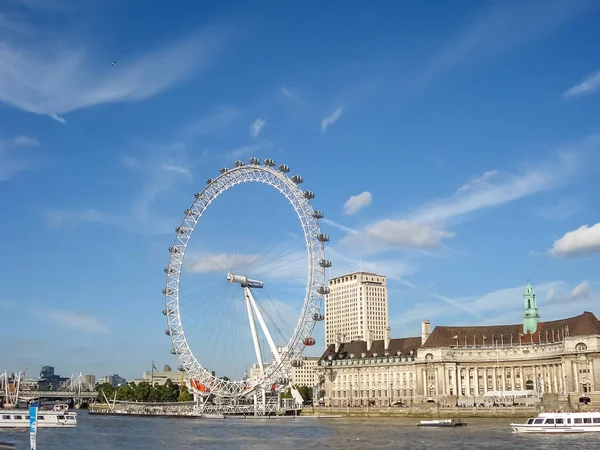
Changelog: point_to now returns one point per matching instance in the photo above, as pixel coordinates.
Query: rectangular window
(577, 420)
(596, 419)
(538, 421)
(559, 421)
(587, 420)
(550, 421)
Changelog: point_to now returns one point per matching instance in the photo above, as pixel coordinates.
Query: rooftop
(402, 345)
(446, 336)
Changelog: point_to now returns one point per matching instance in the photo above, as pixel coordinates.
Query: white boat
(59, 417)
(560, 422)
(441, 423)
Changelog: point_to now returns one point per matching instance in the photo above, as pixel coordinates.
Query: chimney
(338, 343)
(386, 341)
(369, 340)
(425, 331)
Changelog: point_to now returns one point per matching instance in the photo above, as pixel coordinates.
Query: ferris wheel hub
(244, 281)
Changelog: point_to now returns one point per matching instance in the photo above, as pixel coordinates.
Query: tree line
(145, 392)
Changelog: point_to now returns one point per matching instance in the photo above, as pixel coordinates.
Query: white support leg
(263, 325)
(259, 357)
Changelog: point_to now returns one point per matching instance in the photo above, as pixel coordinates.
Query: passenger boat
(441, 423)
(58, 417)
(560, 422)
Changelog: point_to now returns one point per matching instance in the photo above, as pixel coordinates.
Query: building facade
(469, 365)
(356, 306)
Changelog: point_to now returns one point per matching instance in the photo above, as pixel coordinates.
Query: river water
(108, 433)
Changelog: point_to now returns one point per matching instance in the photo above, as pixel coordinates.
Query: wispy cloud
(357, 202)
(582, 241)
(75, 320)
(501, 28)
(221, 262)
(425, 227)
(178, 169)
(159, 178)
(25, 141)
(70, 85)
(247, 149)
(588, 86)
(214, 122)
(581, 290)
(257, 126)
(332, 118)
(287, 92)
(13, 159)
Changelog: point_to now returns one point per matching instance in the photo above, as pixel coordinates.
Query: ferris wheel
(273, 376)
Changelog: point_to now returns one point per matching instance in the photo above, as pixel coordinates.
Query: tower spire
(531, 316)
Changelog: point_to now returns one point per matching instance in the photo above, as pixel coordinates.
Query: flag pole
(152, 375)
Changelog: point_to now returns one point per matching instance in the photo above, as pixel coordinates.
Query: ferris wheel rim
(315, 283)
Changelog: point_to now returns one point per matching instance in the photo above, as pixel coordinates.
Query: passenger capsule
(325, 263)
(297, 179)
(190, 212)
(180, 368)
(255, 161)
(296, 363)
(167, 291)
(180, 230)
(210, 180)
(283, 168)
(322, 237)
(223, 170)
(173, 250)
(169, 269)
(238, 163)
(309, 195)
(323, 290)
(168, 332)
(269, 162)
(309, 341)
(173, 352)
(317, 214)
(165, 312)
(318, 317)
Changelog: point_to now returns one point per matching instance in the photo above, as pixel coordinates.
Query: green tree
(185, 395)
(105, 389)
(142, 392)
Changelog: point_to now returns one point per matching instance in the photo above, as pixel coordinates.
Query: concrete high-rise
(356, 308)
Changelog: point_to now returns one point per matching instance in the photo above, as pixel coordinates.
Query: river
(132, 433)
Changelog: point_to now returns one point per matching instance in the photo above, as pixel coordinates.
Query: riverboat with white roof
(561, 422)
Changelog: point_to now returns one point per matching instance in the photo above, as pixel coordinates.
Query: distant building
(115, 380)
(305, 374)
(161, 377)
(461, 365)
(167, 368)
(90, 380)
(48, 380)
(356, 307)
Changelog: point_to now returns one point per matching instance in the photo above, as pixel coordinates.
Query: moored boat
(441, 423)
(560, 422)
(58, 417)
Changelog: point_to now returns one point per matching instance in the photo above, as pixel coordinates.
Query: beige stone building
(303, 375)
(469, 365)
(357, 304)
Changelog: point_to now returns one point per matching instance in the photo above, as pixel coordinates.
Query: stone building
(356, 305)
(456, 365)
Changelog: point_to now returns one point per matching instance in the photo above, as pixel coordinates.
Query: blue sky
(453, 146)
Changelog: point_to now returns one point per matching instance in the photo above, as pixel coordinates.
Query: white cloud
(501, 28)
(287, 92)
(581, 290)
(391, 234)
(426, 226)
(221, 262)
(58, 118)
(11, 161)
(214, 122)
(178, 169)
(70, 84)
(588, 86)
(257, 126)
(331, 119)
(581, 241)
(357, 202)
(25, 141)
(247, 149)
(76, 320)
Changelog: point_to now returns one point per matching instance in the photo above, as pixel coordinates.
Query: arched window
(529, 385)
(581, 347)
(528, 304)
